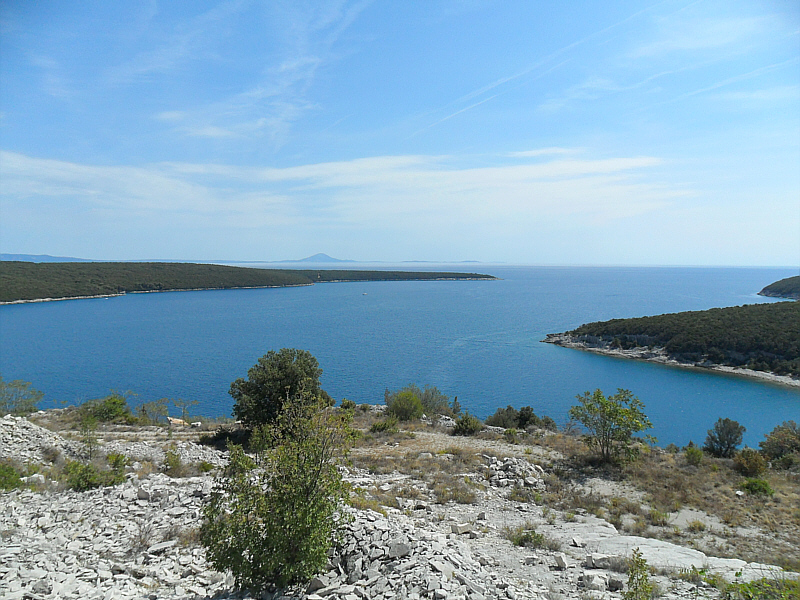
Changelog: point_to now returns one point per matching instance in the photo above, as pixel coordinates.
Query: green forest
(785, 288)
(33, 281)
(762, 337)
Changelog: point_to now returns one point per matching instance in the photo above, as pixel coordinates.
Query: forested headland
(26, 281)
(759, 337)
(785, 288)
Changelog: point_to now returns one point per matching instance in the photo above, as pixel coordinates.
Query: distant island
(32, 282)
(785, 288)
(761, 340)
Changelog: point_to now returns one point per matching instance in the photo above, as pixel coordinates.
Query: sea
(478, 340)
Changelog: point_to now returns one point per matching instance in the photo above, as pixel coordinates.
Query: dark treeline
(785, 288)
(763, 337)
(33, 281)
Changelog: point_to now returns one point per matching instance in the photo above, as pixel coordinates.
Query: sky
(586, 132)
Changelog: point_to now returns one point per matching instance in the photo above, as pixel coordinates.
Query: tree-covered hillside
(32, 281)
(763, 337)
(785, 288)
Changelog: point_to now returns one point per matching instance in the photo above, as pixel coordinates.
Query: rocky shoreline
(658, 355)
(138, 539)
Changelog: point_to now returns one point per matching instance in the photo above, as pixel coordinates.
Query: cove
(478, 340)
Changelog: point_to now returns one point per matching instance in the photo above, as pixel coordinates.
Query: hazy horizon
(630, 133)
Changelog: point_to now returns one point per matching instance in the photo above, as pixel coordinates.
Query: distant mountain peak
(321, 258)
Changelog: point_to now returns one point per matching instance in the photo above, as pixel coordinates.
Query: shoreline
(659, 356)
(243, 287)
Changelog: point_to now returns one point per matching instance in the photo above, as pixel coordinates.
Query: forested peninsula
(785, 288)
(31, 282)
(756, 339)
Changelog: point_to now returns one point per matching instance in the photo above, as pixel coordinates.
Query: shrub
(783, 440)
(387, 425)
(117, 461)
(611, 421)
(348, 404)
(272, 519)
(81, 477)
(510, 435)
(723, 438)
(9, 478)
(762, 589)
(527, 537)
(750, 463)
(111, 408)
(466, 424)
(405, 405)
(506, 418)
(18, 398)
(173, 465)
(757, 487)
(639, 586)
(287, 376)
(694, 456)
(433, 401)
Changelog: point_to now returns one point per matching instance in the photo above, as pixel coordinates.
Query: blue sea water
(478, 340)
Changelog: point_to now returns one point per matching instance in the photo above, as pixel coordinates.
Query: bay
(478, 340)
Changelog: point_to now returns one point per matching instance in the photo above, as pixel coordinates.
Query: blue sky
(585, 132)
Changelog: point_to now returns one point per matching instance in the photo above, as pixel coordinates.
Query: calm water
(478, 340)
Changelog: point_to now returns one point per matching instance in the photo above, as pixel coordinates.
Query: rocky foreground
(139, 539)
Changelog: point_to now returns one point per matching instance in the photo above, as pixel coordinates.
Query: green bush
(723, 438)
(763, 589)
(694, 456)
(271, 519)
(111, 408)
(506, 418)
(18, 398)
(526, 536)
(405, 405)
(510, 435)
(757, 487)
(783, 440)
(173, 465)
(750, 463)
(387, 425)
(466, 424)
(639, 586)
(348, 404)
(9, 478)
(433, 401)
(117, 461)
(81, 477)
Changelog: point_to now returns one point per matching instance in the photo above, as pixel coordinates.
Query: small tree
(783, 440)
(723, 438)
(272, 518)
(184, 406)
(611, 421)
(277, 376)
(18, 398)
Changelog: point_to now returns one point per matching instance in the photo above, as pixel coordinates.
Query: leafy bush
(504, 417)
(723, 438)
(113, 407)
(117, 461)
(466, 424)
(9, 478)
(405, 405)
(173, 465)
(639, 586)
(694, 456)
(348, 404)
(526, 536)
(510, 435)
(762, 589)
(757, 487)
(387, 425)
(611, 421)
(272, 518)
(287, 376)
(750, 463)
(81, 477)
(433, 401)
(783, 440)
(18, 398)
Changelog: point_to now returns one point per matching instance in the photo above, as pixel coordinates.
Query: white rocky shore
(660, 356)
(138, 539)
